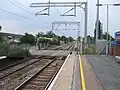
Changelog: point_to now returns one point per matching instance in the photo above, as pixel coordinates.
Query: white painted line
(73, 81)
(53, 82)
(118, 57)
(3, 57)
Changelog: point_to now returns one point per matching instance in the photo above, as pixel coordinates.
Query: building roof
(10, 34)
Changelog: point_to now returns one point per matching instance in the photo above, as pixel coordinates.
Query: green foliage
(18, 52)
(54, 41)
(64, 38)
(52, 38)
(90, 40)
(4, 48)
(1, 39)
(50, 34)
(86, 50)
(28, 39)
(70, 39)
(40, 34)
(48, 40)
(105, 36)
(89, 50)
(7, 50)
(49, 37)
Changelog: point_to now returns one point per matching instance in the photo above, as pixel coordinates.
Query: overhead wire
(15, 14)
(25, 8)
(20, 6)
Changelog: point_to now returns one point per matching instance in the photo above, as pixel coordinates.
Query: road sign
(117, 35)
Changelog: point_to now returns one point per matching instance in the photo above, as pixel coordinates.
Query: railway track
(17, 67)
(42, 78)
(68, 46)
(17, 63)
(12, 77)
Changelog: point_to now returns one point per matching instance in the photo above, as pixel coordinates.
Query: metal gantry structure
(73, 6)
(66, 23)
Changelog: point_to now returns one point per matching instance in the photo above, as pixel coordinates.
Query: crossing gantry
(47, 6)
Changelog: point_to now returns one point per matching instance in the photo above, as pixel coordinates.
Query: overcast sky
(34, 24)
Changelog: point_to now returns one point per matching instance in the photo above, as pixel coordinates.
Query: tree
(64, 38)
(90, 40)
(1, 39)
(70, 39)
(100, 30)
(27, 39)
(50, 34)
(40, 34)
(105, 36)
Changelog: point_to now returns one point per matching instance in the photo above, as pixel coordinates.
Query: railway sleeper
(50, 70)
(32, 87)
(38, 83)
(40, 80)
(47, 73)
(40, 76)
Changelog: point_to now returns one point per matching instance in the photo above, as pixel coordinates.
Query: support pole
(107, 30)
(107, 20)
(78, 42)
(81, 48)
(85, 31)
(97, 21)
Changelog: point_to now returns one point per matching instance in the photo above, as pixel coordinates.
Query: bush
(28, 39)
(90, 50)
(4, 49)
(1, 39)
(18, 52)
(86, 51)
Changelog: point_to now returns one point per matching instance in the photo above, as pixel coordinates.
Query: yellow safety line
(82, 74)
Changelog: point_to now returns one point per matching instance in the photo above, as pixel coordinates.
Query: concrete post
(85, 31)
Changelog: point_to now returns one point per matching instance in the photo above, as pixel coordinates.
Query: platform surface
(107, 71)
(100, 73)
(64, 80)
(70, 76)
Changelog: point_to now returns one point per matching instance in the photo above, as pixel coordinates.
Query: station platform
(76, 74)
(63, 79)
(85, 72)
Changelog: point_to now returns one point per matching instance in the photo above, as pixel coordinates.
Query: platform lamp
(107, 5)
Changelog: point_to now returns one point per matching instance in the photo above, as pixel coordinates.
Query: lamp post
(107, 5)
(97, 20)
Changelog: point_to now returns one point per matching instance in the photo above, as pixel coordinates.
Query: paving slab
(107, 71)
(76, 75)
(91, 80)
(64, 80)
